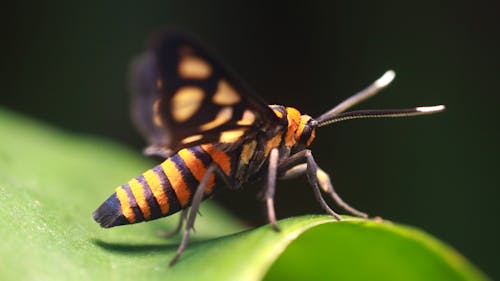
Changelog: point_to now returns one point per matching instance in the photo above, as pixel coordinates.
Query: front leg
(292, 167)
(312, 171)
(271, 186)
(168, 234)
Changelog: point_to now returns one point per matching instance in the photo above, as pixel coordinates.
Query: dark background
(65, 63)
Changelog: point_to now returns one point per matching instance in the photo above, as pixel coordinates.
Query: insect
(214, 132)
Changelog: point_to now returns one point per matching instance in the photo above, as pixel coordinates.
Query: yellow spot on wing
(246, 155)
(127, 211)
(177, 182)
(272, 143)
(157, 190)
(222, 117)
(186, 102)
(231, 135)
(136, 189)
(156, 113)
(225, 95)
(191, 67)
(247, 152)
(192, 138)
(247, 119)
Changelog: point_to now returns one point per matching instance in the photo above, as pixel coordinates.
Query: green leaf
(51, 182)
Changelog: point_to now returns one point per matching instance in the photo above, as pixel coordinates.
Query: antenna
(336, 114)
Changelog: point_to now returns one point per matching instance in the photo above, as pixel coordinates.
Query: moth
(215, 132)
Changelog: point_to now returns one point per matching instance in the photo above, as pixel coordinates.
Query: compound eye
(305, 132)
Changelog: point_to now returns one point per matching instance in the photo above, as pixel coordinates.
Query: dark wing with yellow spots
(184, 96)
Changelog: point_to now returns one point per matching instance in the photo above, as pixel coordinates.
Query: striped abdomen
(164, 189)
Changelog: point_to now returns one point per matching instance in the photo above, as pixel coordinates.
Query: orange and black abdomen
(164, 189)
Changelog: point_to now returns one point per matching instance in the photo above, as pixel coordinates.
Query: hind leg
(291, 168)
(177, 229)
(195, 206)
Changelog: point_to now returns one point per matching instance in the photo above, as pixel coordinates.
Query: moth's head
(306, 131)
(300, 130)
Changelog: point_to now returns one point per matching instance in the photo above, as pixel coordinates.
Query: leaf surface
(52, 181)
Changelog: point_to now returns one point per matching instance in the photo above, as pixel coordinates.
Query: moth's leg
(326, 185)
(311, 172)
(225, 178)
(271, 186)
(294, 172)
(292, 161)
(157, 150)
(195, 206)
(167, 234)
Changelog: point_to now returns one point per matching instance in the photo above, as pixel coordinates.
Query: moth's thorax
(298, 128)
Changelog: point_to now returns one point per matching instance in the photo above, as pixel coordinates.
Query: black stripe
(133, 203)
(209, 158)
(191, 182)
(148, 194)
(173, 202)
(218, 178)
(206, 153)
(110, 214)
(201, 155)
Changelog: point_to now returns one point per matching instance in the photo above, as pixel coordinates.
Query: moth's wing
(143, 77)
(184, 96)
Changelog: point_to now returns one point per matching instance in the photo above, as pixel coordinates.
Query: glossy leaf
(51, 182)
